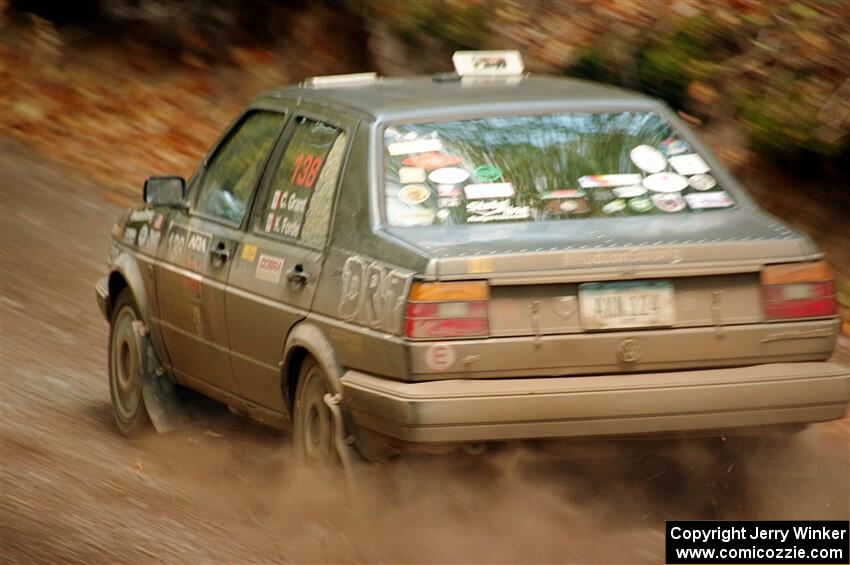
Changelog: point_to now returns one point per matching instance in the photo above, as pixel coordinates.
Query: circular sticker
(568, 205)
(487, 173)
(673, 146)
(440, 356)
(630, 191)
(614, 206)
(702, 182)
(668, 202)
(648, 159)
(414, 194)
(448, 175)
(665, 182)
(640, 204)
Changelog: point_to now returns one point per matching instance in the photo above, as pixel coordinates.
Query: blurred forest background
(121, 89)
(156, 80)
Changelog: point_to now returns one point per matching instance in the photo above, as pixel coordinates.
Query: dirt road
(227, 490)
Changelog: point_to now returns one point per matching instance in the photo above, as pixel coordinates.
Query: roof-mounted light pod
(488, 63)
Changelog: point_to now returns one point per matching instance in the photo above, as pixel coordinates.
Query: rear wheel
(125, 368)
(313, 422)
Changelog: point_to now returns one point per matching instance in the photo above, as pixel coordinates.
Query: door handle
(297, 275)
(220, 253)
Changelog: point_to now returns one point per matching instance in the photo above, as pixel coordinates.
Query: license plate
(633, 304)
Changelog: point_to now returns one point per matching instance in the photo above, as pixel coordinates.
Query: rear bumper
(606, 405)
(101, 289)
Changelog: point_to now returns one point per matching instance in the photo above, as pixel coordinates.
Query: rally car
(486, 255)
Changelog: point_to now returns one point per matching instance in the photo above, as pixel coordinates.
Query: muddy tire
(313, 425)
(125, 368)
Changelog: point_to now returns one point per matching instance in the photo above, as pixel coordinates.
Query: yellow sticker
(479, 265)
(249, 252)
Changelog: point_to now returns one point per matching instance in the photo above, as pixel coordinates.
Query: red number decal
(305, 170)
(313, 172)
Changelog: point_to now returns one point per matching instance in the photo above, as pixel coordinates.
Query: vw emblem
(629, 350)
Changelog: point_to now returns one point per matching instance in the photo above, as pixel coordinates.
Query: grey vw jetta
(486, 255)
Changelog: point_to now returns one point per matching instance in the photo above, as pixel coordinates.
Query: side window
(299, 201)
(232, 172)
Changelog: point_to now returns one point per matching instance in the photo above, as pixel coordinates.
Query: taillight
(447, 310)
(798, 290)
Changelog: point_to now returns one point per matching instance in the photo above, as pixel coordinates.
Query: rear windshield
(539, 168)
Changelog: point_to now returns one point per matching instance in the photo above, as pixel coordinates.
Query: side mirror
(165, 191)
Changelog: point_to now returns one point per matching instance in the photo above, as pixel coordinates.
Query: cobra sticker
(373, 294)
(269, 268)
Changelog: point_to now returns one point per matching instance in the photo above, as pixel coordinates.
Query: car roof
(397, 98)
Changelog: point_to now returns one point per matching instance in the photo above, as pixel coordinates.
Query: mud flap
(164, 406)
(343, 442)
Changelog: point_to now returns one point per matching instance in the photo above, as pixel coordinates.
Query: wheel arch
(306, 339)
(126, 273)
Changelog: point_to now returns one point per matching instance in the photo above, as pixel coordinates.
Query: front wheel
(313, 424)
(125, 368)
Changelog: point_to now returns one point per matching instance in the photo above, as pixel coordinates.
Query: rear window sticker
(597, 181)
(495, 210)
(443, 214)
(449, 202)
(414, 194)
(415, 146)
(409, 175)
(673, 146)
(665, 182)
(487, 173)
(671, 202)
(568, 206)
(489, 190)
(690, 164)
(249, 252)
(564, 193)
(702, 182)
(716, 199)
(269, 268)
(447, 190)
(431, 161)
(648, 158)
(614, 206)
(448, 175)
(640, 204)
(630, 191)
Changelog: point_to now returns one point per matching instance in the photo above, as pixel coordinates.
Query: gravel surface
(227, 490)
